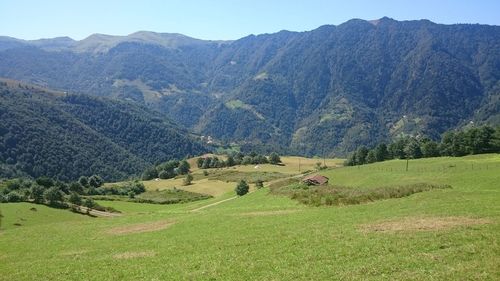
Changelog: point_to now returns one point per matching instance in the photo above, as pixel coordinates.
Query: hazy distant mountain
(323, 91)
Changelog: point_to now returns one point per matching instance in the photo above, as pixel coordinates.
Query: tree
(246, 160)
(397, 148)
(430, 149)
(412, 149)
(166, 174)
(274, 158)
(149, 174)
(370, 157)
(381, 152)
(199, 162)
(230, 161)
(83, 181)
(54, 196)
(76, 187)
(361, 154)
(188, 179)
(36, 193)
(96, 181)
(206, 163)
(45, 182)
(183, 167)
(74, 198)
(242, 188)
(89, 203)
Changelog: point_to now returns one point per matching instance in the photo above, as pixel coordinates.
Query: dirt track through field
(234, 197)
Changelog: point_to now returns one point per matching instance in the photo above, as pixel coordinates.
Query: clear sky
(221, 19)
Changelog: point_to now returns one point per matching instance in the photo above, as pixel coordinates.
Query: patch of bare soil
(139, 228)
(268, 213)
(132, 255)
(411, 224)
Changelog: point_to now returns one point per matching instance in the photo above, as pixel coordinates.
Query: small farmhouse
(315, 180)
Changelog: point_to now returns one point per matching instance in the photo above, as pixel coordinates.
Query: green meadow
(440, 234)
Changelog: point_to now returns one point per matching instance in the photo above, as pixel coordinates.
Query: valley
(448, 233)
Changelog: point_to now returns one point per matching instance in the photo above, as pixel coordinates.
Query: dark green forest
(66, 136)
(326, 91)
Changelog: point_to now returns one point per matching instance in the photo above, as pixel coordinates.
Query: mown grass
(341, 195)
(166, 196)
(261, 236)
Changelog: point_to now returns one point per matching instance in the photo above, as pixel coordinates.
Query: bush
(259, 184)
(89, 203)
(274, 158)
(188, 179)
(14, 196)
(74, 198)
(54, 196)
(242, 188)
(37, 193)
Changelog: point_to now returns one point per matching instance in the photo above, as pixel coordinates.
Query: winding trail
(234, 197)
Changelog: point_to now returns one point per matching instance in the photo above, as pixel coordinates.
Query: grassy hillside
(448, 234)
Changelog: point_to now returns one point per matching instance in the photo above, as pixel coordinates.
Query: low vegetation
(342, 195)
(237, 158)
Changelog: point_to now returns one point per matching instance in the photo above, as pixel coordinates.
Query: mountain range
(320, 92)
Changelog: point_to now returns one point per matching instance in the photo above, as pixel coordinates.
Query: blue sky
(221, 19)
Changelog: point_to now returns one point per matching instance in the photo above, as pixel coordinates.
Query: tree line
(237, 158)
(167, 170)
(55, 193)
(477, 140)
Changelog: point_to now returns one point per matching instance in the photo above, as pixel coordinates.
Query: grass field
(444, 234)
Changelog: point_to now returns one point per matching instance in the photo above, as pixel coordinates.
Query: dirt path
(97, 213)
(234, 197)
(214, 204)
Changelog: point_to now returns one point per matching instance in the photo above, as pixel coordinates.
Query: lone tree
(242, 188)
(188, 179)
(274, 158)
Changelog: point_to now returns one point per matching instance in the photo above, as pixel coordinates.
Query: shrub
(89, 203)
(36, 193)
(242, 188)
(74, 198)
(259, 184)
(14, 196)
(274, 158)
(188, 179)
(53, 195)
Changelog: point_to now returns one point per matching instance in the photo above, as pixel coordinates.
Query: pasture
(441, 234)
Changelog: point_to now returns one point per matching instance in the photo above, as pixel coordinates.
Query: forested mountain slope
(319, 92)
(65, 136)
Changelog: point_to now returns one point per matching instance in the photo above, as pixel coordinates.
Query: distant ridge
(324, 91)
